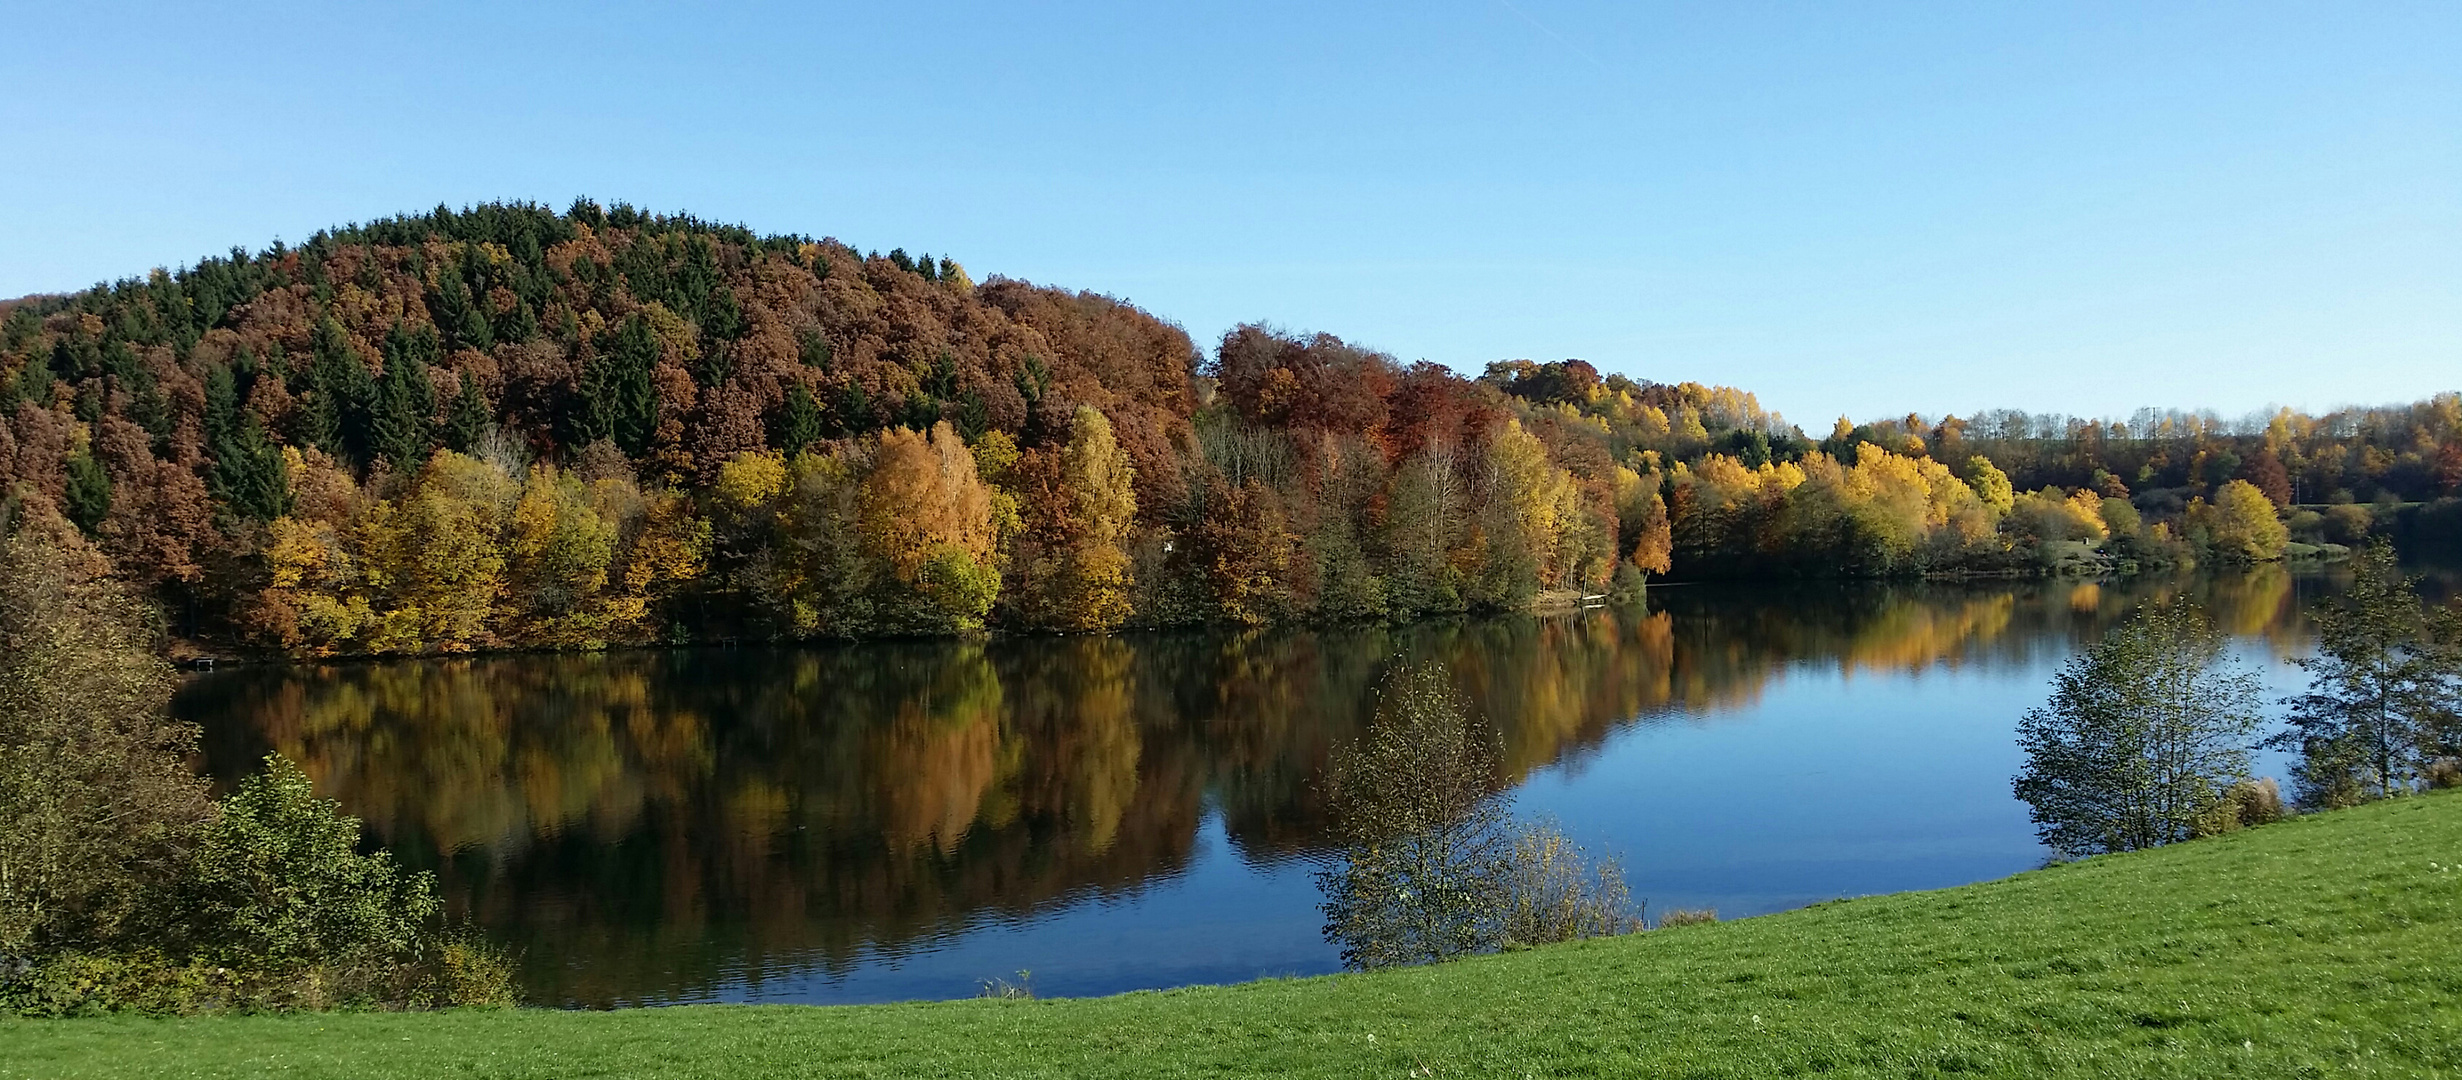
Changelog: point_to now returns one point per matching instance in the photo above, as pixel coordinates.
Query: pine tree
(463, 315)
(814, 350)
(33, 383)
(717, 362)
(799, 421)
(247, 476)
(221, 407)
(398, 426)
(854, 411)
(88, 497)
(340, 391)
(519, 325)
(250, 476)
(723, 319)
(696, 286)
(467, 423)
(618, 399)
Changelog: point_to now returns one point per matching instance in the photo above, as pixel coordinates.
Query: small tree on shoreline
(2384, 698)
(1433, 865)
(2143, 734)
(1425, 838)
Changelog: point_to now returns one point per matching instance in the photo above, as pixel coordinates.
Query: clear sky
(1861, 208)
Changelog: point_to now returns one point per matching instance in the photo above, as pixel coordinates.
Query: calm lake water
(902, 820)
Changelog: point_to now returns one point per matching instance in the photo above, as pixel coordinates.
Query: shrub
(2245, 804)
(280, 889)
(1556, 892)
(2348, 523)
(279, 878)
(460, 973)
(1687, 917)
(122, 887)
(2445, 773)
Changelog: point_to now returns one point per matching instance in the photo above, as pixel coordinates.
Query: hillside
(2322, 945)
(509, 427)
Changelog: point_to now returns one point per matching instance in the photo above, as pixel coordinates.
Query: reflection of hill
(647, 826)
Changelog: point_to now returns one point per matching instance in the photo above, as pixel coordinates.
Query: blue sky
(1865, 208)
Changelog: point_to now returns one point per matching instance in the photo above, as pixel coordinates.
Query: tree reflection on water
(645, 825)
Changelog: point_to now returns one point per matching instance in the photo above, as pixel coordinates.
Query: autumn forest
(508, 427)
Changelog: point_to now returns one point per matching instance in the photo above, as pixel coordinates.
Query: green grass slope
(2322, 946)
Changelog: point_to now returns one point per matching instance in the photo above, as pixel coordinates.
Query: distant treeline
(2005, 492)
(510, 427)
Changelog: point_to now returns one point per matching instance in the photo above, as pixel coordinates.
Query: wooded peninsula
(505, 427)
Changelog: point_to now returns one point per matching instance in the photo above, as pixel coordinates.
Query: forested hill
(512, 427)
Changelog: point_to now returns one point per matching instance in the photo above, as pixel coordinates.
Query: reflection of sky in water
(904, 820)
(1828, 785)
(1221, 920)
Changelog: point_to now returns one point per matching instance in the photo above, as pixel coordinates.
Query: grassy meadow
(2329, 945)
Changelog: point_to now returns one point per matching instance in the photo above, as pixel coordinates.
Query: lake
(904, 820)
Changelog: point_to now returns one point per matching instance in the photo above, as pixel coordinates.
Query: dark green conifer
(33, 382)
(467, 423)
(724, 318)
(519, 325)
(799, 422)
(405, 399)
(340, 391)
(221, 406)
(89, 492)
(472, 329)
(249, 476)
(854, 412)
(21, 327)
(974, 415)
(618, 400)
(814, 350)
(462, 315)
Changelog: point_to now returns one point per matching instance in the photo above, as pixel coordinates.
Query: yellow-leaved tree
(2240, 525)
(1989, 483)
(1641, 518)
(1084, 584)
(928, 516)
(2053, 516)
(434, 558)
(558, 548)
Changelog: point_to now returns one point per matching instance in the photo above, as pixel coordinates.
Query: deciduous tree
(2143, 733)
(2384, 696)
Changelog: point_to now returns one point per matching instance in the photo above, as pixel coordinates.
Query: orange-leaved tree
(928, 515)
